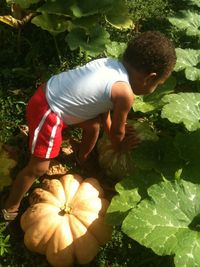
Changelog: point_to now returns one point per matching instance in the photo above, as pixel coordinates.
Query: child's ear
(150, 78)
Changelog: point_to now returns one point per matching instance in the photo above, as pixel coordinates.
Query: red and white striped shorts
(45, 127)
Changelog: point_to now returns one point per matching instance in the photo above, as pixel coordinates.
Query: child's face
(143, 84)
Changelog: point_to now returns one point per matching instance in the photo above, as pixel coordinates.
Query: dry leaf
(56, 168)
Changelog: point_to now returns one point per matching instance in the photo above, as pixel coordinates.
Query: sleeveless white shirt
(84, 93)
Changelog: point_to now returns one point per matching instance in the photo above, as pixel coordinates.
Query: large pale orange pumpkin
(66, 220)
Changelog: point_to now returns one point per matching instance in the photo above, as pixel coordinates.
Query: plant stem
(57, 49)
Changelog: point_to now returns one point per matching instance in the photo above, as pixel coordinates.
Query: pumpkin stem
(65, 209)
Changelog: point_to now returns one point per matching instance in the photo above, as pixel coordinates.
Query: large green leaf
(130, 190)
(85, 22)
(77, 8)
(183, 108)
(90, 7)
(142, 180)
(168, 222)
(187, 20)
(126, 199)
(52, 23)
(93, 40)
(23, 3)
(154, 101)
(188, 146)
(188, 60)
(115, 49)
(161, 156)
(192, 2)
(119, 16)
(58, 7)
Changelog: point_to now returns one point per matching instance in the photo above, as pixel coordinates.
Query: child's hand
(130, 140)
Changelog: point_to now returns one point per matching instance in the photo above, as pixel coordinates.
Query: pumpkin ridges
(40, 195)
(60, 249)
(37, 235)
(70, 183)
(85, 244)
(90, 187)
(95, 184)
(96, 225)
(89, 204)
(98, 205)
(55, 187)
(93, 219)
(34, 213)
(79, 226)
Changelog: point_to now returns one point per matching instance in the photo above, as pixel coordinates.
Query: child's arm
(106, 122)
(122, 97)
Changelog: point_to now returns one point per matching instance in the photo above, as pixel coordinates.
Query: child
(84, 97)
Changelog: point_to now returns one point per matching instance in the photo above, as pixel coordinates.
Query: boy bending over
(84, 97)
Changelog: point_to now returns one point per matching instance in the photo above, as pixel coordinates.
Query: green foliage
(161, 157)
(168, 221)
(186, 107)
(188, 21)
(117, 16)
(12, 114)
(193, 2)
(74, 18)
(126, 199)
(188, 145)
(188, 60)
(153, 101)
(4, 241)
(23, 3)
(92, 41)
(52, 23)
(122, 251)
(142, 10)
(115, 49)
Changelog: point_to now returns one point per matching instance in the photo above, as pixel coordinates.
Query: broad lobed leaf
(183, 108)
(165, 222)
(188, 60)
(187, 20)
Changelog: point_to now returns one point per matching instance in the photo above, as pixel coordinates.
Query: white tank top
(85, 92)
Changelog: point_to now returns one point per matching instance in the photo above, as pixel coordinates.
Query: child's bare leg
(24, 180)
(89, 138)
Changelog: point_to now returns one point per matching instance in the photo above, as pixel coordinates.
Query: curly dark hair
(151, 51)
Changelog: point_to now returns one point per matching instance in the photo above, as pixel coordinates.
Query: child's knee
(37, 168)
(36, 172)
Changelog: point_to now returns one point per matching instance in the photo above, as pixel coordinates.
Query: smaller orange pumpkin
(66, 220)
